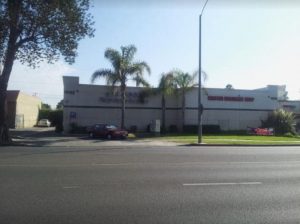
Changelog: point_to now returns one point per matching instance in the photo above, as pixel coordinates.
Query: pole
(200, 108)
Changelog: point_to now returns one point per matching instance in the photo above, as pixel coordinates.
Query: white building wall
(27, 110)
(97, 104)
(232, 109)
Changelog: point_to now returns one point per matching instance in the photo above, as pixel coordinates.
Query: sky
(248, 44)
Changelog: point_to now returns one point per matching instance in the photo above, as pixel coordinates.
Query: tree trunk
(4, 131)
(182, 110)
(14, 8)
(163, 114)
(123, 96)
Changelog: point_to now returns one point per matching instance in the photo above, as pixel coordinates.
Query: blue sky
(248, 45)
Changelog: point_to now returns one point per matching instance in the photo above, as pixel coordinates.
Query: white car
(44, 123)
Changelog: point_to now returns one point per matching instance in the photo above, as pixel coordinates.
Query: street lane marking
(295, 162)
(70, 187)
(115, 164)
(222, 184)
(199, 163)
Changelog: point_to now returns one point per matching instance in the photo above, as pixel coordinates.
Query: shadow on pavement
(38, 137)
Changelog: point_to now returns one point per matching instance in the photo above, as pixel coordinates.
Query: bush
(289, 134)
(133, 129)
(192, 129)
(206, 129)
(282, 121)
(77, 129)
(56, 117)
(59, 128)
(148, 129)
(298, 127)
(235, 132)
(173, 128)
(44, 114)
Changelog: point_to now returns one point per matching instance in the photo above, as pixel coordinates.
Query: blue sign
(73, 115)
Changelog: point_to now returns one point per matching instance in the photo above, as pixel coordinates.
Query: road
(149, 185)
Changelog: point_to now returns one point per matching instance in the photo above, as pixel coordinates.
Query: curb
(243, 145)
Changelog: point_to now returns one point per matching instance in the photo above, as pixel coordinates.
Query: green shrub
(44, 114)
(133, 129)
(235, 132)
(289, 134)
(77, 129)
(173, 128)
(206, 129)
(59, 128)
(282, 121)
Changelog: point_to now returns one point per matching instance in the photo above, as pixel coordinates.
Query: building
(231, 109)
(22, 110)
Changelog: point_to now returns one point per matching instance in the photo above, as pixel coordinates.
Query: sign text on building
(231, 98)
(130, 97)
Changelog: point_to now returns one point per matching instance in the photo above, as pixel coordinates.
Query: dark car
(107, 131)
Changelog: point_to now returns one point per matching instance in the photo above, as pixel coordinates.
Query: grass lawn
(232, 139)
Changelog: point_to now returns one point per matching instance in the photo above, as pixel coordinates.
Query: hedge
(206, 129)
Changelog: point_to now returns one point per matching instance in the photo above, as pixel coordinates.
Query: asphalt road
(149, 185)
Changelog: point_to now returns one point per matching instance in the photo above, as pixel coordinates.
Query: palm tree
(123, 69)
(166, 87)
(185, 82)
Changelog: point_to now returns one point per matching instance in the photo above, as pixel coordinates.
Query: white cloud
(44, 81)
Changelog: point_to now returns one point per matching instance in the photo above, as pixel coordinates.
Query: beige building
(22, 110)
(231, 109)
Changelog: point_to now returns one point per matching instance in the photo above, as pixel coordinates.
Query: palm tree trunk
(163, 114)
(183, 110)
(123, 96)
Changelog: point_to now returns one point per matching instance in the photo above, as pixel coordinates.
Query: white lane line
(295, 162)
(222, 184)
(70, 187)
(115, 164)
(195, 163)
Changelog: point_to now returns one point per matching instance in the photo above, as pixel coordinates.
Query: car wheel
(109, 137)
(91, 134)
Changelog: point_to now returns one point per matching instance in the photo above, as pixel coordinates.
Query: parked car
(44, 123)
(107, 131)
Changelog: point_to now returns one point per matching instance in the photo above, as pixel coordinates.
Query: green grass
(232, 139)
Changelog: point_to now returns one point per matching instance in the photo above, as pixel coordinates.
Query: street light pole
(200, 106)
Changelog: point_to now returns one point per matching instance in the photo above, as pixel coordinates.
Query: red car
(107, 131)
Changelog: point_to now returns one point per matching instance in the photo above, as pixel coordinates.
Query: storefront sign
(231, 98)
(72, 115)
(130, 97)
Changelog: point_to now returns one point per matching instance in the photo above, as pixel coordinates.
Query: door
(19, 123)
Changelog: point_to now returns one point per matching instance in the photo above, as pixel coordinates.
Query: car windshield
(111, 127)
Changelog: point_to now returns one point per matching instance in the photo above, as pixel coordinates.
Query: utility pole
(200, 106)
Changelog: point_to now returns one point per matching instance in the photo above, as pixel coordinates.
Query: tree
(229, 86)
(60, 105)
(282, 121)
(32, 31)
(185, 82)
(166, 87)
(45, 106)
(123, 69)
